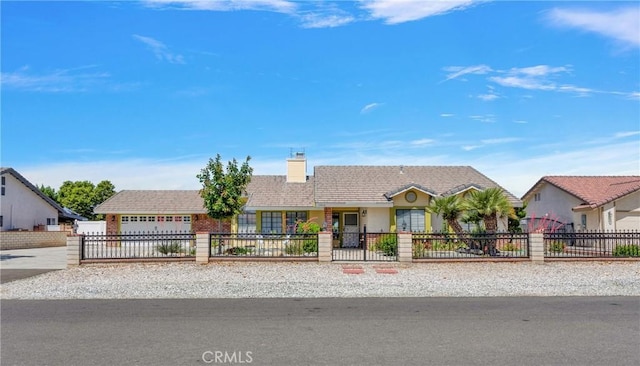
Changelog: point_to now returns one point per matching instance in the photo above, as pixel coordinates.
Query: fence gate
(363, 246)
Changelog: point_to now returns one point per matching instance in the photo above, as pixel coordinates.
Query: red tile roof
(593, 190)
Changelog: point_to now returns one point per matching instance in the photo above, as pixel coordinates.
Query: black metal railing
(263, 245)
(445, 245)
(592, 244)
(130, 245)
(365, 246)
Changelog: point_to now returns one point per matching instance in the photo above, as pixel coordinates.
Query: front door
(351, 230)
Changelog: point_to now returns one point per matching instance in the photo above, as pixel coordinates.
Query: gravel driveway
(251, 279)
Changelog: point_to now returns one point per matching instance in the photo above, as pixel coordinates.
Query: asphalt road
(336, 331)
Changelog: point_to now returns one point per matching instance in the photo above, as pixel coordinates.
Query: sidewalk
(22, 263)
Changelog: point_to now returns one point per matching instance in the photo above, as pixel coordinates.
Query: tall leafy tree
(223, 189)
(49, 192)
(83, 196)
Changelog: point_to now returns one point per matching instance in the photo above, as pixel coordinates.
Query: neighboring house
(24, 207)
(587, 202)
(341, 198)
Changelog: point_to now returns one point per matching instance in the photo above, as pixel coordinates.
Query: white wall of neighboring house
(555, 203)
(22, 208)
(608, 218)
(88, 227)
(628, 212)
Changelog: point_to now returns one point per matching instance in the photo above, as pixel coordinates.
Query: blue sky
(143, 93)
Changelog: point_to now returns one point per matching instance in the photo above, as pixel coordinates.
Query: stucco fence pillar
(405, 253)
(536, 247)
(202, 247)
(74, 247)
(325, 246)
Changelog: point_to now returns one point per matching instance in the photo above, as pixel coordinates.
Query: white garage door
(155, 223)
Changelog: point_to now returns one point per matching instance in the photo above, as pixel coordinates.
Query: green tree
(517, 214)
(450, 208)
(489, 204)
(49, 192)
(223, 190)
(83, 196)
(103, 191)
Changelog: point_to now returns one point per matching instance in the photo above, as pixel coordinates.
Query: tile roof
(593, 190)
(139, 201)
(368, 184)
(274, 191)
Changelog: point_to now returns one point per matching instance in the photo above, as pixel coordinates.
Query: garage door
(155, 223)
(628, 220)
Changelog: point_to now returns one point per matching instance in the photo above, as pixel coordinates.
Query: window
(271, 222)
(247, 222)
(168, 218)
(1, 219)
(178, 219)
(292, 219)
(583, 221)
(2, 191)
(134, 218)
(51, 220)
(4, 180)
(536, 197)
(186, 218)
(410, 220)
(143, 219)
(151, 218)
(160, 218)
(125, 219)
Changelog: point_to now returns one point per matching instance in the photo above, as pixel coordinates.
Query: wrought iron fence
(130, 245)
(263, 245)
(592, 244)
(366, 246)
(445, 245)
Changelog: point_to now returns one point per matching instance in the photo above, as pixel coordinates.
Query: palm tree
(450, 208)
(489, 204)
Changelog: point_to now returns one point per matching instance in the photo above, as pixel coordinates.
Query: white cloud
(520, 121)
(159, 49)
(280, 6)
(488, 97)
(622, 24)
(626, 134)
(422, 142)
(486, 118)
(400, 11)
(446, 115)
(502, 140)
(57, 81)
(369, 107)
(316, 20)
(455, 72)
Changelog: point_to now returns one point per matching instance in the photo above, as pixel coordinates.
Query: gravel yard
(253, 279)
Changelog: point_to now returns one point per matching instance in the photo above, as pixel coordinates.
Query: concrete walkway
(22, 263)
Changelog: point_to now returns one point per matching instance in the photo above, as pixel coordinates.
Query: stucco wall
(555, 203)
(22, 208)
(32, 239)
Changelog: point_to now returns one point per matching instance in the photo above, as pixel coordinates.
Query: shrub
(310, 246)
(556, 247)
(387, 244)
(294, 249)
(169, 248)
(627, 250)
(510, 247)
(419, 250)
(238, 251)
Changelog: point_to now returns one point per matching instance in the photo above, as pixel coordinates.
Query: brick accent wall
(204, 223)
(328, 213)
(112, 223)
(32, 239)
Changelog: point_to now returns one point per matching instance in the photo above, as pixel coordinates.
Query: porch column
(536, 247)
(325, 246)
(202, 247)
(328, 217)
(74, 245)
(404, 247)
